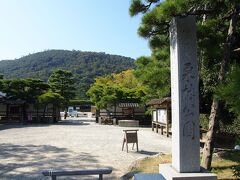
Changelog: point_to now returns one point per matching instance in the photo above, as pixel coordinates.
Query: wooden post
(7, 112)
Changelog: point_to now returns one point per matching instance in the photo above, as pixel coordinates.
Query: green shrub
(237, 142)
(236, 171)
(204, 121)
(233, 128)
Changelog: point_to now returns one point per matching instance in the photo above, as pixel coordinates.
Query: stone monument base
(169, 173)
(128, 123)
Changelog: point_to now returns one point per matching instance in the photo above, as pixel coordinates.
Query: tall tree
(155, 75)
(53, 98)
(117, 87)
(229, 92)
(218, 36)
(62, 82)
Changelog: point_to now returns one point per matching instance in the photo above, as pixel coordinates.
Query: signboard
(162, 115)
(154, 115)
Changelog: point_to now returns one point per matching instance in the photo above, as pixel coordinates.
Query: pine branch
(195, 12)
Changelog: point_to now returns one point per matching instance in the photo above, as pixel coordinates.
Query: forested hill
(84, 65)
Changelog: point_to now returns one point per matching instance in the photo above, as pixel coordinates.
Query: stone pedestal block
(169, 173)
(128, 123)
(148, 177)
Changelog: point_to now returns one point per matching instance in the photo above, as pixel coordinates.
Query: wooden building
(161, 115)
(15, 111)
(125, 111)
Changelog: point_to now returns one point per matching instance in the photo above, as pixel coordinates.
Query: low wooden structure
(161, 115)
(130, 136)
(105, 120)
(18, 111)
(123, 111)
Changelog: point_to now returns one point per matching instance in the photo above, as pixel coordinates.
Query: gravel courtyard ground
(26, 150)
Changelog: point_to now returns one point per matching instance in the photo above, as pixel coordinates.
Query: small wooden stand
(130, 136)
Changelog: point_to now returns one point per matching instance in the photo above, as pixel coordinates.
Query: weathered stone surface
(148, 176)
(185, 96)
(170, 173)
(128, 123)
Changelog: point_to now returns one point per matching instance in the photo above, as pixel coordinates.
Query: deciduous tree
(117, 87)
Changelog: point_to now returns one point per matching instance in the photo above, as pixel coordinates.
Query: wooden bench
(54, 173)
(165, 128)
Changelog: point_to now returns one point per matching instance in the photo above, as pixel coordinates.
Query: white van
(72, 112)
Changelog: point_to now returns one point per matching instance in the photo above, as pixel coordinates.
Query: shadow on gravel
(73, 122)
(150, 153)
(62, 122)
(11, 126)
(28, 161)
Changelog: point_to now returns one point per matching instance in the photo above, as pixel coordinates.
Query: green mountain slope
(84, 65)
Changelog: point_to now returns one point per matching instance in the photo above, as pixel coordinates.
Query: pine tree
(62, 82)
(218, 36)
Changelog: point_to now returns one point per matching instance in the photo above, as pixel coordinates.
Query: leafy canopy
(24, 89)
(230, 91)
(62, 82)
(51, 97)
(114, 88)
(212, 18)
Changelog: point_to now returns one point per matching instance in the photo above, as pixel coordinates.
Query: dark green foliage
(203, 120)
(236, 171)
(230, 91)
(218, 35)
(24, 89)
(75, 102)
(213, 20)
(84, 65)
(237, 142)
(51, 97)
(155, 75)
(62, 82)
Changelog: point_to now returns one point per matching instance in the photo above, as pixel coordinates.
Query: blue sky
(29, 26)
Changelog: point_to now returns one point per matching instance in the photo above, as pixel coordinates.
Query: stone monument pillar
(184, 95)
(185, 102)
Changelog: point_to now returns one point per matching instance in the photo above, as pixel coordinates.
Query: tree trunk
(7, 113)
(44, 111)
(210, 136)
(54, 114)
(209, 143)
(37, 113)
(24, 117)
